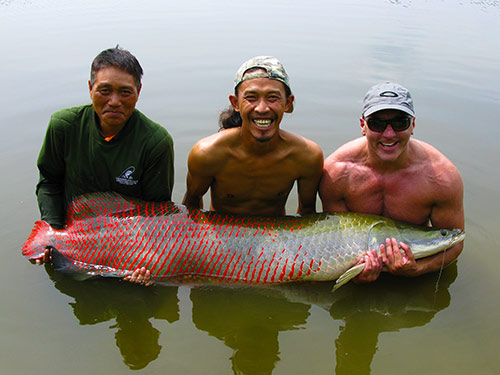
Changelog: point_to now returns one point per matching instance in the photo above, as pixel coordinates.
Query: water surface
(446, 52)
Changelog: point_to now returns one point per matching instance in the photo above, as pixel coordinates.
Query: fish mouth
(458, 237)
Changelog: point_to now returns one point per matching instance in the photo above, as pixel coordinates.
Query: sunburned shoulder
(445, 172)
(350, 152)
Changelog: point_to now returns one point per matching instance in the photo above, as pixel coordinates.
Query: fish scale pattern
(174, 243)
(110, 235)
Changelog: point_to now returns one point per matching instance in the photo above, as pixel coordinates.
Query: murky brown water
(445, 52)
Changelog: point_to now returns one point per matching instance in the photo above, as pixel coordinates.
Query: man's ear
(233, 99)
(289, 104)
(362, 124)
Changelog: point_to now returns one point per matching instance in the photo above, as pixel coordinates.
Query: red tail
(38, 240)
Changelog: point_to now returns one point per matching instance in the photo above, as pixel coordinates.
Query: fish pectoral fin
(60, 263)
(348, 275)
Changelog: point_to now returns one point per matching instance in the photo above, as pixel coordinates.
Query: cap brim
(381, 107)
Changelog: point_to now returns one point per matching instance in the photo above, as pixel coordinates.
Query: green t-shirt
(75, 159)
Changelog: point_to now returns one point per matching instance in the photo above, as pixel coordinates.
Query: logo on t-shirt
(126, 177)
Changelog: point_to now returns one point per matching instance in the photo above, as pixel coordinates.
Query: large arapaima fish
(111, 235)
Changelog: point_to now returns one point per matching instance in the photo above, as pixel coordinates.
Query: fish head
(40, 238)
(426, 241)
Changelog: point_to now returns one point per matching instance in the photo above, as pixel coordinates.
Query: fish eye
(443, 232)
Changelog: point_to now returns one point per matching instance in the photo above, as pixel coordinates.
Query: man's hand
(373, 267)
(398, 259)
(45, 258)
(140, 276)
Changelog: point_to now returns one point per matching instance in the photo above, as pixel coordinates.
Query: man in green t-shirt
(104, 146)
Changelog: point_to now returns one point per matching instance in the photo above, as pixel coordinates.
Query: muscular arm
(199, 178)
(332, 186)
(307, 185)
(448, 213)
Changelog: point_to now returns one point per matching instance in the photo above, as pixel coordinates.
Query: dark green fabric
(75, 159)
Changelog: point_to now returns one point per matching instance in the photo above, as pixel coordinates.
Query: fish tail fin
(38, 240)
(348, 275)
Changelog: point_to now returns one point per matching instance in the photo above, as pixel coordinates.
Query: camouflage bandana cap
(387, 95)
(272, 66)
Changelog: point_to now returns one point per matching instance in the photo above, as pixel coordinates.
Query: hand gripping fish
(111, 235)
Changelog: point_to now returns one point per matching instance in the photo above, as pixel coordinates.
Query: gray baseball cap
(387, 95)
(272, 66)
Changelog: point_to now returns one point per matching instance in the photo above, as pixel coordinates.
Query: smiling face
(261, 103)
(114, 95)
(387, 145)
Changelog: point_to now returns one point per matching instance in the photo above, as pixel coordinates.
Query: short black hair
(119, 58)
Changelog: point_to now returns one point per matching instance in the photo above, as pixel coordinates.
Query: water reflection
(389, 305)
(248, 321)
(99, 300)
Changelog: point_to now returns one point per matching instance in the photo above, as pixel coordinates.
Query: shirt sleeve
(158, 178)
(51, 166)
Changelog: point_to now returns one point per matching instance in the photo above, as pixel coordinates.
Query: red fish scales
(194, 263)
(228, 264)
(181, 247)
(171, 237)
(143, 254)
(159, 246)
(111, 254)
(154, 270)
(100, 251)
(174, 246)
(255, 267)
(124, 246)
(187, 267)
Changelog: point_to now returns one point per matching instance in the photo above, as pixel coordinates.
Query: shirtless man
(388, 173)
(251, 165)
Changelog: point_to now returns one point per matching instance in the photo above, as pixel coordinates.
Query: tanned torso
(250, 177)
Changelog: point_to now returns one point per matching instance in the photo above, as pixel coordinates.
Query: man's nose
(114, 99)
(262, 106)
(389, 131)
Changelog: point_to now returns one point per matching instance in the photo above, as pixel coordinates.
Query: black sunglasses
(398, 124)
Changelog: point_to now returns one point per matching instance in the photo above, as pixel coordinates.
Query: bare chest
(400, 197)
(257, 184)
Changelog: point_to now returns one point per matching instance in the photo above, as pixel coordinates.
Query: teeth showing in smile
(388, 144)
(262, 123)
